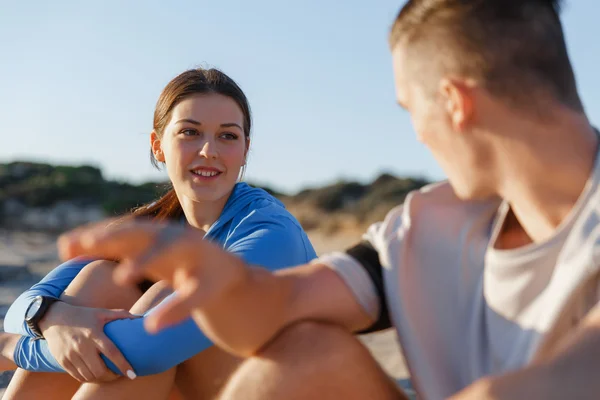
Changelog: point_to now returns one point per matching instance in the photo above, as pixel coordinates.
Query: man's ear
(458, 96)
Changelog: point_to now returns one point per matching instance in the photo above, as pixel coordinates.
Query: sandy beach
(26, 257)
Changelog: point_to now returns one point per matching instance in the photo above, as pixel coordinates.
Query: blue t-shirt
(253, 225)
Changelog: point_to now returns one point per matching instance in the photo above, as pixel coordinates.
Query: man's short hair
(514, 48)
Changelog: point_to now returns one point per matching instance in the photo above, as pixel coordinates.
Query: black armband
(367, 256)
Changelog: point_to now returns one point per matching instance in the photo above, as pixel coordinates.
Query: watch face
(33, 308)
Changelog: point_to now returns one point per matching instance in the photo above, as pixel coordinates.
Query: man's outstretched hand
(199, 271)
(238, 306)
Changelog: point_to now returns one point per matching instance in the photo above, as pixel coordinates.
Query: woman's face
(203, 147)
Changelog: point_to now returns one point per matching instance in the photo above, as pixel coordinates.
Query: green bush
(43, 185)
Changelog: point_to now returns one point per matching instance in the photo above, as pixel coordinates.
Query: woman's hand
(76, 339)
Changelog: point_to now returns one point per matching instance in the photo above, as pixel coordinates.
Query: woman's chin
(208, 194)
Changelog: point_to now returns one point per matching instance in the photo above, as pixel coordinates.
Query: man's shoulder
(435, 210)
(584, 235)
(438, 200)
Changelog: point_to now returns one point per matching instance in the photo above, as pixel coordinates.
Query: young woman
(202, 136)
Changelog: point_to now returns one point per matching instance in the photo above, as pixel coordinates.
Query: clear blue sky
(79, 80)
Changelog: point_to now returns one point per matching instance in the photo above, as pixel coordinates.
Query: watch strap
(34, 321)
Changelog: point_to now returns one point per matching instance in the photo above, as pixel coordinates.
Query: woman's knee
(159, 386)
(94, 286)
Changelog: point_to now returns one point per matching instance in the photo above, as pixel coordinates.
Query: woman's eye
(189, 132)
(229, 136)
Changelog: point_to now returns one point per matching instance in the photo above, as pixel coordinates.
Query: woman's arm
(274, 244)
(147, 354)
(74, 333)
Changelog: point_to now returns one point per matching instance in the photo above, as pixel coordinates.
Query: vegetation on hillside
(42, 185)
(351, 203)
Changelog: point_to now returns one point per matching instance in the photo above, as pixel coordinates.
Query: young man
(491, 280)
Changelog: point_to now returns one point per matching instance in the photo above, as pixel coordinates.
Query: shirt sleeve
(52, 285)
(270, 241)
(362, 267)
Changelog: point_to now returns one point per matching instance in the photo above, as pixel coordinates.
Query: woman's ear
(156, 146)
(247, 150)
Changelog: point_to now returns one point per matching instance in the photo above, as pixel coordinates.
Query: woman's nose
(209, 150)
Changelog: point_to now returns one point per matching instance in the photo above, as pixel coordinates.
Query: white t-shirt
(462, 309)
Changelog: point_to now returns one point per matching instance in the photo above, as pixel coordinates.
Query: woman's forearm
(51, 285)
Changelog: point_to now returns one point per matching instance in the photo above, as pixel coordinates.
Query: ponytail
(165, 208)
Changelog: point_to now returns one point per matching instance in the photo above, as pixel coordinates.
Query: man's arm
(239, 307)
(265, 303)
(570, 372)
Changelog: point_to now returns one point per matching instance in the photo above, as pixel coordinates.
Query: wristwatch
(36, 311)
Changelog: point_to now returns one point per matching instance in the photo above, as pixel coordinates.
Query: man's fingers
(171, 251)
(171, 312)
(127, 273)
(110, 351)
(132, 272)
(67, 241)
(108, 240)
(174, 253)
(143, 244)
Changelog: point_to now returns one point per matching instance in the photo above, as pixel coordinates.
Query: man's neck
(545, 174)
